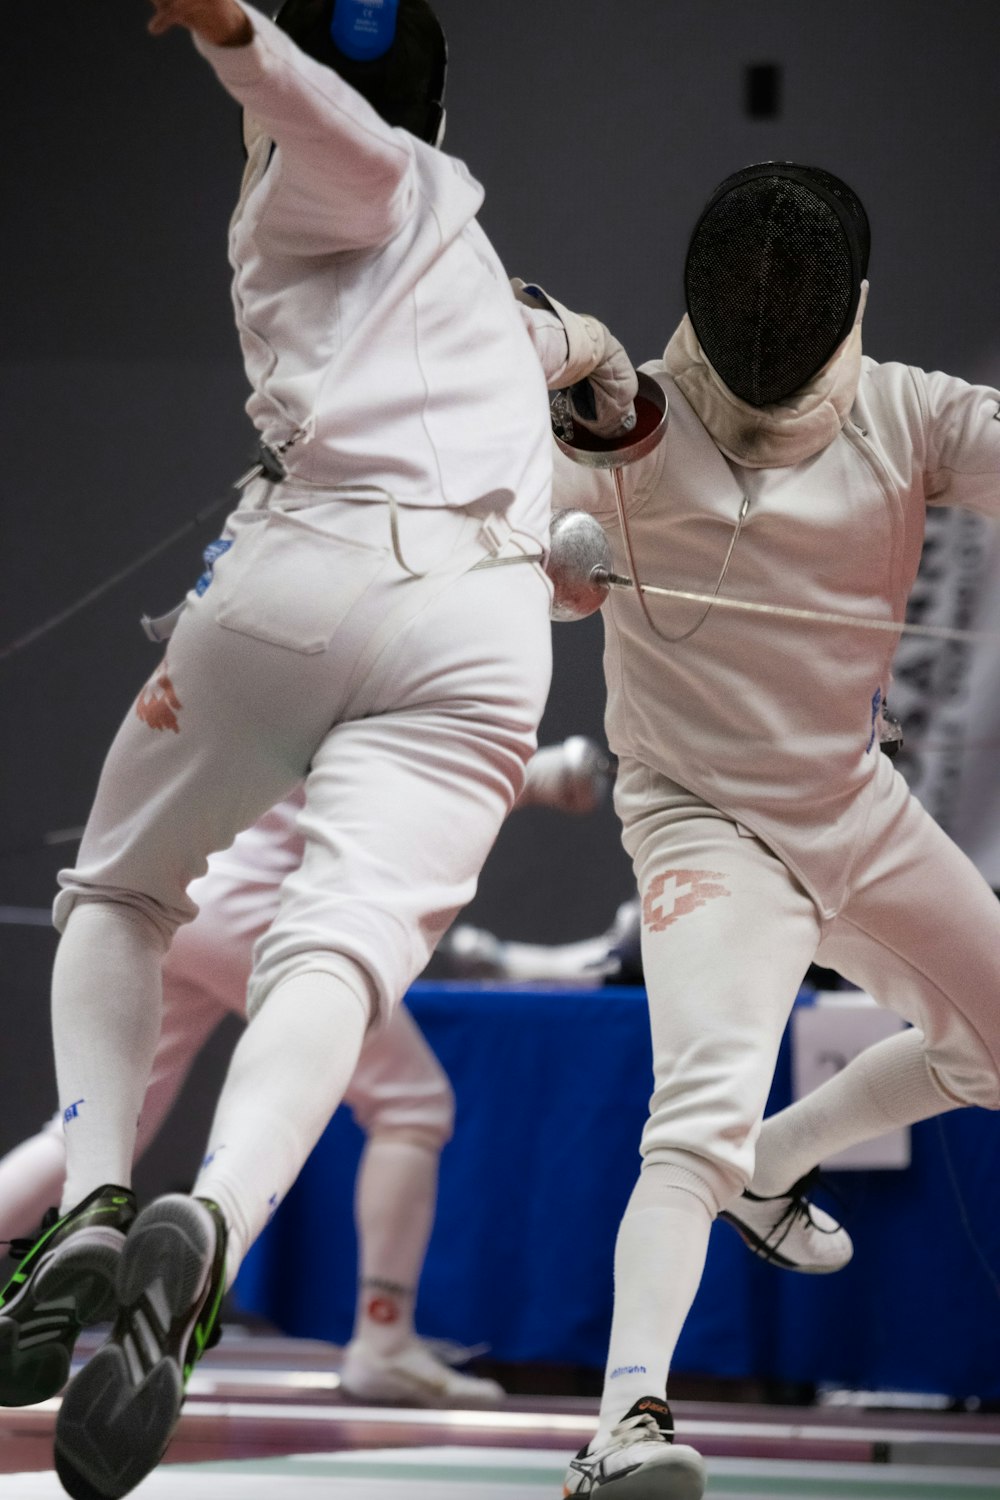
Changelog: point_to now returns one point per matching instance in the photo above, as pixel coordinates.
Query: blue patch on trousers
(210, 557)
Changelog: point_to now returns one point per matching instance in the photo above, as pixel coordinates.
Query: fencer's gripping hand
(594, 367)
(223, 23)
(604, 402)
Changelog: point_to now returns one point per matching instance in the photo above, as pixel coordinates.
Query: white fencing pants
(398, 1084)
(728, 934)
(407, 705)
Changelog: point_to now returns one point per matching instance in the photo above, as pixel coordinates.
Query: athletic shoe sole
(72, 1287)
(119, 1413)
(684, 1480)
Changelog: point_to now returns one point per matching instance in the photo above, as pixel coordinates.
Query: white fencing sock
(106, 1003)
(659, 1258)
(394, 1204)
(31, 1180)
(889, 1085)
(287, 1075)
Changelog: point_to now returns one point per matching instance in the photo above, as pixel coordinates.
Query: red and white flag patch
(673, 894)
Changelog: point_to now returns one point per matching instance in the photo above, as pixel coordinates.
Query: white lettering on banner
(930, 691)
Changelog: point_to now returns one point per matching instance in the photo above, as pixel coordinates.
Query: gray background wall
(598, 128)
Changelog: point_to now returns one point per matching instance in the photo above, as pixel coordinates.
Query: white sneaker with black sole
(640, 1460)
(790, 1231)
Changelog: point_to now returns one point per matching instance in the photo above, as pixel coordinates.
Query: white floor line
(576, 1427)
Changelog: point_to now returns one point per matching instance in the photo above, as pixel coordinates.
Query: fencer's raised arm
(962, 461)
(936, 437)
(574, 347)
(222, 22)
(344, 178)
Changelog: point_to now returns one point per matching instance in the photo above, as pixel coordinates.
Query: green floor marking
(800, 1486)
(333, 1468)
(866, 1487)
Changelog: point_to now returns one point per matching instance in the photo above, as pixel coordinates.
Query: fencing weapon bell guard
(594, 452)
(578, 550)
(579, 563)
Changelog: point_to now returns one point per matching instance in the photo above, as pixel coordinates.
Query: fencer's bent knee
(966, 1082)
(960, 1065)
(689, 1172)
(263, 985)
(143, 911)
(710, 1172)
(426, 1121)
(708, 1120)
(422, 1112)
(425, 1137)
(440, 1119)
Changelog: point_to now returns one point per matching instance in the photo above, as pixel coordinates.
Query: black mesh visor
(773, 277)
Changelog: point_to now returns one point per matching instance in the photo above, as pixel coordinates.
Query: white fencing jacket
(372, 310)
(768, 720)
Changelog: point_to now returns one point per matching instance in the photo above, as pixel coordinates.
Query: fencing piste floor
(264, 1418)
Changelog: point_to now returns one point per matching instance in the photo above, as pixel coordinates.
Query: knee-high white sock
(889, 1085)
(394, 1204)
(31, 1180)
(106, 1002)
(659, 1258)
(287, 1075)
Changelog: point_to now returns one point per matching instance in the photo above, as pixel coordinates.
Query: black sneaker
(64, 1282)
(120, 1412)
(639, 1461)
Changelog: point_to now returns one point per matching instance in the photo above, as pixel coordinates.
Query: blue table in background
(552, 1087)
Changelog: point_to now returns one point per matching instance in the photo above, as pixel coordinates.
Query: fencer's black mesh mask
(773, 276)
(405, 85)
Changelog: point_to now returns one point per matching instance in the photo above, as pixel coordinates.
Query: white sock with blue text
(659, 1259)
(107, 998)
(288, 1074)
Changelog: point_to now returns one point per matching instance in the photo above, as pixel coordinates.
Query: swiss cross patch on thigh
(675, 893)
(158, 704)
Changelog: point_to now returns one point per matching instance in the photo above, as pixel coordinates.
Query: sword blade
(806, 616)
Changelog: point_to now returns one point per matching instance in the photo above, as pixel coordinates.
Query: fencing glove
(597, 373)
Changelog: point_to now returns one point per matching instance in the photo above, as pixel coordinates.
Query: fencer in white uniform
(377, 630)
(399, 1094)
(765, 828)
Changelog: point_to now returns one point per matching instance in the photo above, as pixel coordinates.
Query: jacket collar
(769, 437)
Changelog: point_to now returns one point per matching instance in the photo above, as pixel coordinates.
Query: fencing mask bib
(773, 277)
(393, 52)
